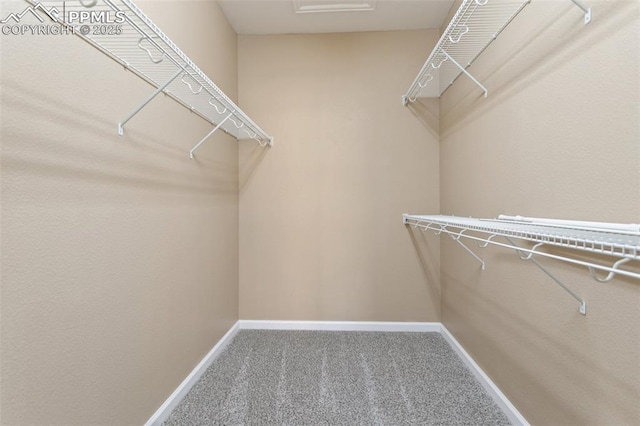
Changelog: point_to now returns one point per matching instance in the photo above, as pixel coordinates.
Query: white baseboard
(496, 394)
(509, 409)
(174, 399)
(341, 326)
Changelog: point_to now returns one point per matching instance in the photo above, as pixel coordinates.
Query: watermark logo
(85, 21)
(33, 10)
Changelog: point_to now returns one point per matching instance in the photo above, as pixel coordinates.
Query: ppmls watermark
(72, 21)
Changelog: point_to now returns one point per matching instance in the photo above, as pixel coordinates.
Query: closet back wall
(119, 254)
(321, 236)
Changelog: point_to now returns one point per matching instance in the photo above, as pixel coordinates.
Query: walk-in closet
(319, 212)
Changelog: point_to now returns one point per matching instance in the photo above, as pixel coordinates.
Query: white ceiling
(249, 17)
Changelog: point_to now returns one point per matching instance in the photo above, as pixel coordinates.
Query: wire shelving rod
(616, 240)
(473, 27)
(135, 42)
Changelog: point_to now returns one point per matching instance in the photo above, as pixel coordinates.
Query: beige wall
(119, 254)
(321, 236)
(120, 262)
(558, 137)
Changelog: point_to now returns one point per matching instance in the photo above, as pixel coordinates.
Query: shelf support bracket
(466, 73)
(529, 256)
(457, 240)
(144, 104)
(585, 9)
(611, 273)
(208, 135)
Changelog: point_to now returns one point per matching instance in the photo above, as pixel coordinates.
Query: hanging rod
(632, 228)
(620, 241)
(141, 47)
(474, 26)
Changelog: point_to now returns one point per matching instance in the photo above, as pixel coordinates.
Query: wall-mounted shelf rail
(618, 241)
(132, 40)
(473, 27)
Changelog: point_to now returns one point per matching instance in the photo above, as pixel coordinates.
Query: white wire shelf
(142, 48)
(620, 241)
(473, 27)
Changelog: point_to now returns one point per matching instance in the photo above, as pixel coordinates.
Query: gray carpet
(337, 378)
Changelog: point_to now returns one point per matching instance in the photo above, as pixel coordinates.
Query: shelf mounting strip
(474, 26)
(136, 43)
(620, 241)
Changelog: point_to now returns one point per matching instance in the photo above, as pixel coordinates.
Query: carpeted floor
(337, 378)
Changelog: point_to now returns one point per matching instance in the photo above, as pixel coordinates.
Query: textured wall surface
(119, 254)
(321, 236)
(558, 137)
(121, 257)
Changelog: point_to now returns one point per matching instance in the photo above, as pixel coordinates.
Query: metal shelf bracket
(144, 104)
(456, 238)
(585, 9)
(529, 256)
(466, 73)
(208, 135)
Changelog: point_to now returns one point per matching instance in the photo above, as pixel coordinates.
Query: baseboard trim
(174, 399)
(341, 326)
(435, 327)
(496, 394)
